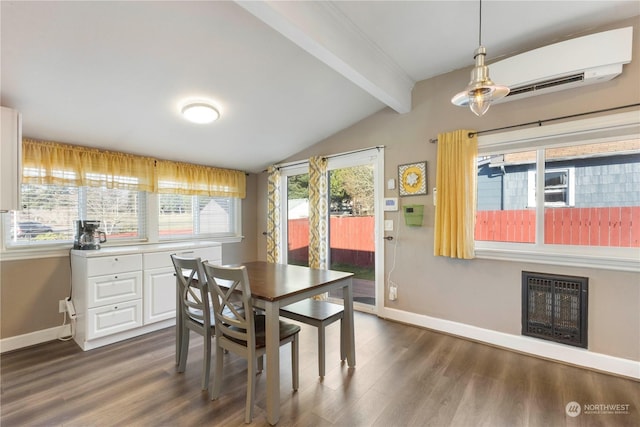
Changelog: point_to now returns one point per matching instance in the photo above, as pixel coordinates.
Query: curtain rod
(302, 162)
(540, 122)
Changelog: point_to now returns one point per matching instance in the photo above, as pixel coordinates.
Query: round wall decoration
(412, 178)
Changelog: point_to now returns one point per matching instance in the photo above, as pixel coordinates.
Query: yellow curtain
(456, 179)
(273, 215)
(186, 178)
(62, 164)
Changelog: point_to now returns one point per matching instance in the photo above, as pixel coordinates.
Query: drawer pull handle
(115, 308)
(115, 277)
(116, 259)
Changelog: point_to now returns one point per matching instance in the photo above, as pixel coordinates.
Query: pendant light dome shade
(481, 91)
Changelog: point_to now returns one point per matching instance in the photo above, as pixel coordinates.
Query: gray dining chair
(320, 314)
(240, 330)
(195, 312)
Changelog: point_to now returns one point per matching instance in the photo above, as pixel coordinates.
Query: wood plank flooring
(405, 376)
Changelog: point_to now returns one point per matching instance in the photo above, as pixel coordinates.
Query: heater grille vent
(554, 307)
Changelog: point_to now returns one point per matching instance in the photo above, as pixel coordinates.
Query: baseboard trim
(20, 341)
(548, 350)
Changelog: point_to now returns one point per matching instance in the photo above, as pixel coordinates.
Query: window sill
(627, 259)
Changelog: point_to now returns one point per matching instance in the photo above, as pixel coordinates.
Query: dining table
(274, 286)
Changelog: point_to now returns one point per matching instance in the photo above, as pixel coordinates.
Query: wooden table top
(273, 282)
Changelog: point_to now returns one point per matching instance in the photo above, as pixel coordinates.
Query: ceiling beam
(322, 30)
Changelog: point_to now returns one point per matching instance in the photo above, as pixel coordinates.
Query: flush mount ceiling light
(200, 112)
(481, 91)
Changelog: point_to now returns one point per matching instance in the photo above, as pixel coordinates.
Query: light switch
(388, 225)
(391, 184)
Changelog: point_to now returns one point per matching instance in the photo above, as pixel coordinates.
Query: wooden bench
(319, 314)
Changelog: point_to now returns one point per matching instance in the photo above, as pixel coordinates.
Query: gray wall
(484, 293)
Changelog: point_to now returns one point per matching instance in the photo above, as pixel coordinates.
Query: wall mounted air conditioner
(578, 62)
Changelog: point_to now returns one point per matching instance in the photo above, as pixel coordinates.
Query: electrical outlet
(62, 306)
(393, 291)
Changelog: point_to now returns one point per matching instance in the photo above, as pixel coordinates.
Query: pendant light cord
(480, 26)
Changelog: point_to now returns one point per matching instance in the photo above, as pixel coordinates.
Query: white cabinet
(123, 292)
(10, 159)
(160, 281)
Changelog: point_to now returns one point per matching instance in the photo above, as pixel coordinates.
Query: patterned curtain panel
(273, 215)
(456, 181)
(318, 211)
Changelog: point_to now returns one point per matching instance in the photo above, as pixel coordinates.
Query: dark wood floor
(405, 376)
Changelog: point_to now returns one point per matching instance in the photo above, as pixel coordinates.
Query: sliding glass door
(353, 221)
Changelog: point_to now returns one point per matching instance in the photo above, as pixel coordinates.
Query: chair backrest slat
(193, 289)
(231, 297)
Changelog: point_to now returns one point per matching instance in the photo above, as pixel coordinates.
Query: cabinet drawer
(163, 259)
(101, 266)
(114, 318)
(114, 288)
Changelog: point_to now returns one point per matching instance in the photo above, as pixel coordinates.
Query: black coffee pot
(88, 236)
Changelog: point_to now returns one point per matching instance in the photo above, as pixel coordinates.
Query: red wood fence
(612, 226)
(345, 232)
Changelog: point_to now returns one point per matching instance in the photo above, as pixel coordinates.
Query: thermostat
(390, 203)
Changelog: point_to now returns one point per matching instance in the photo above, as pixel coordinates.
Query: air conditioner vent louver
(547, 84)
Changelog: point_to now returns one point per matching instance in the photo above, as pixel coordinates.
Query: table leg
(272, 313)
(347, 296)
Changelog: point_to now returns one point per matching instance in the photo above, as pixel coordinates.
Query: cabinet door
(159, 294)
(10, 159)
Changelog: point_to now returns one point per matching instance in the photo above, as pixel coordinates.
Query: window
(181, 216)
(559, 187)
(49, 212)
(589, 169)
(63, 183)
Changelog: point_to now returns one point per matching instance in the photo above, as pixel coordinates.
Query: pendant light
(481, 91)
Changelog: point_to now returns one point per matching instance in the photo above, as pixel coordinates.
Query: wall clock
(413, 179)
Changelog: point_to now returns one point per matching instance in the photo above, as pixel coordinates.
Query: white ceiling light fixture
(200, 112)
(481, 91)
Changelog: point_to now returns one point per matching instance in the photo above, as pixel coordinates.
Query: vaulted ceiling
(284, 75)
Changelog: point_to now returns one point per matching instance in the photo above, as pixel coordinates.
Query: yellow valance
(62, 164)
(52, 163)
(186, 178)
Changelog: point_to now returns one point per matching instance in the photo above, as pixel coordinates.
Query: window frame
(599, 129)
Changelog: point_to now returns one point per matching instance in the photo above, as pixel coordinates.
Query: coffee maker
(88, 236)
